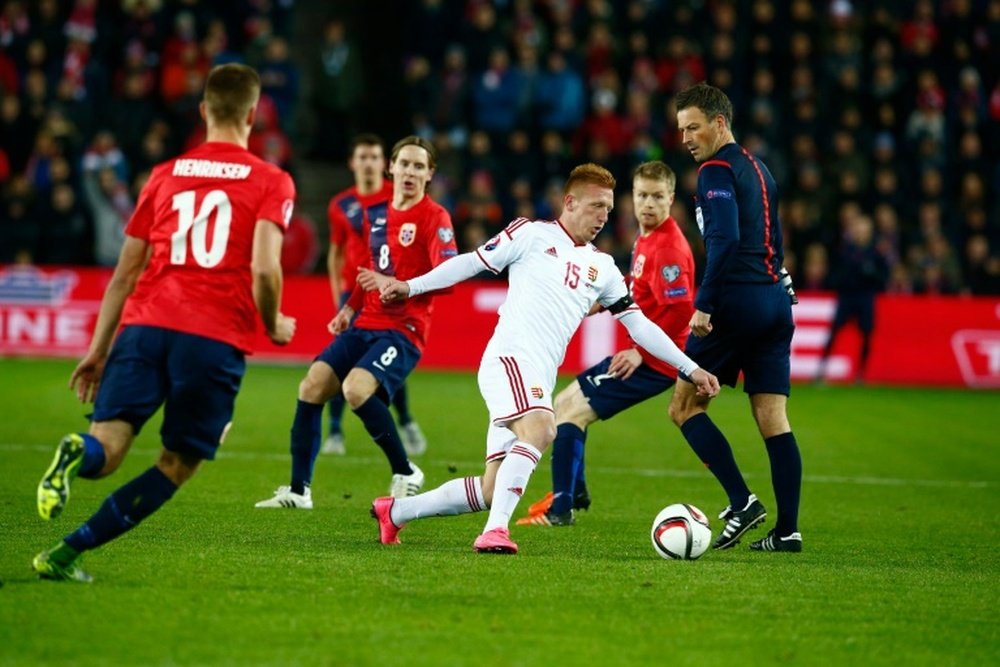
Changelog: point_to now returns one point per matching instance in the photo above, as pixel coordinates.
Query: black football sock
(714, 451)
(374, 414)
(123, 510)
(563, 468)
(306, 434)
(786, 476)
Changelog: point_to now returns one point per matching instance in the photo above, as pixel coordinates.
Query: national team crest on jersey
(446, 234)
(407, 234)
(592, 273)
(671, 273)
(537, 392)
(637, 265)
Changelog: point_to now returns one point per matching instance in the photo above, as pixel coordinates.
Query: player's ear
(252, 116)
(203, 112)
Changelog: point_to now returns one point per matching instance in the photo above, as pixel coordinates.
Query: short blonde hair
(589, 174)
(656, 171)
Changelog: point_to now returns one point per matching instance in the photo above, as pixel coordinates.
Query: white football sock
(512, 478)
(457, 496)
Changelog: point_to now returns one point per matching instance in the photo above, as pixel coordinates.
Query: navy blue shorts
(195, 378)
(751, 332)
(608, 395)
(385, 353)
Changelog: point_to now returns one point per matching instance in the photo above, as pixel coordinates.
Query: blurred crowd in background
(879, 119)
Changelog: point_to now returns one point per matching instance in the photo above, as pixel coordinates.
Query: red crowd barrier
(943, 341)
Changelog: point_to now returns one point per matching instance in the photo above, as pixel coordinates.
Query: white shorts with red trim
(513, 387)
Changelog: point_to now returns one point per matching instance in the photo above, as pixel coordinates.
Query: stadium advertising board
(919, 340)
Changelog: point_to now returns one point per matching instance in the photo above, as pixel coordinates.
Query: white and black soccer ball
(681, 532)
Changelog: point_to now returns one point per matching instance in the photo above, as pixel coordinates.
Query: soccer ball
(680, 532)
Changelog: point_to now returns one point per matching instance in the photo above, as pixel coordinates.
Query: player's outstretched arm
(651, 338)
(265, 266)
(447, 273)
(131, 261)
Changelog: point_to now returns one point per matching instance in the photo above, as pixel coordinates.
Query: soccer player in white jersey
(556, 278)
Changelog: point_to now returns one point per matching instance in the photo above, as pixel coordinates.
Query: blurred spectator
(481, 35)
(497, 95)
(19, 235)
(110, 206)
(279, 79)
(982, 267)
(339, 83)
(63, 228)
(449, 108)
(268, 140)
(104, 153)
(860, 274)
(17, 132)
(560, 96)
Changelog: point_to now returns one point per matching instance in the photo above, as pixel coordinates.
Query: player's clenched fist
(284, 330)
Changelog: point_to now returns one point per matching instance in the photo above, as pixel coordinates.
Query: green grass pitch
(899, 567)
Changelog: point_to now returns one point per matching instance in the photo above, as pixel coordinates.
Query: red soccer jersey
(406, 244)
(663, 286)
(347, 214)
(198, 213)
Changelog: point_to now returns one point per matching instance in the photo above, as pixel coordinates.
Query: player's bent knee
(178, 467)
(572, 406)
(356, 395)
(319, 385)
(358, 387)
(683, 406)
(680, 413)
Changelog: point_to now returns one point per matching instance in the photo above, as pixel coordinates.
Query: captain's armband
(620, 305)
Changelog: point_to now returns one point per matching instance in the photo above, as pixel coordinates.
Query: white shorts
(512, 388)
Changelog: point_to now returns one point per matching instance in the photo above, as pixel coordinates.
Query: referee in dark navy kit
(742, 319)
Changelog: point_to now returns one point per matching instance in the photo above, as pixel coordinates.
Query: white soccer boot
(284, 497)
(407, 485)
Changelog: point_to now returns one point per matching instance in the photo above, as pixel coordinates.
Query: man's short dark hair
(366, 139)
(709, 99)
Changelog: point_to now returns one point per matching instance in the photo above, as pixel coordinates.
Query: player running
(349, 212)
(370, 359)
(201, 262)
(555, 277)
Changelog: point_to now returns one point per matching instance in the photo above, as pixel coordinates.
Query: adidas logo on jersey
(552, 251)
